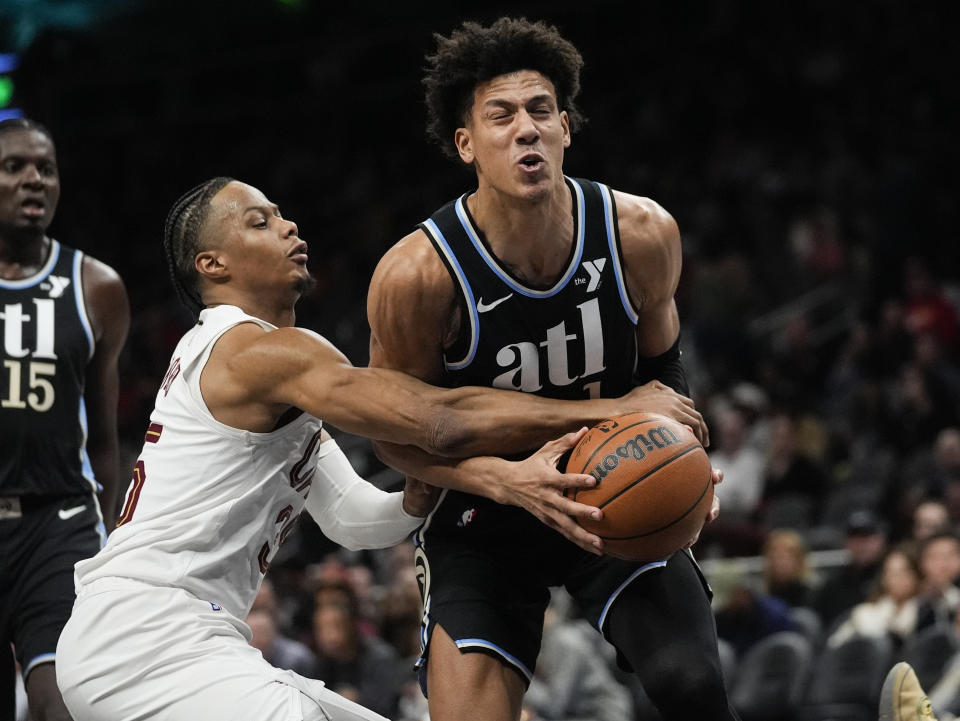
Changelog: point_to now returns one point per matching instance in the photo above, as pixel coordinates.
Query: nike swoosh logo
(67, 513)
(484, 307)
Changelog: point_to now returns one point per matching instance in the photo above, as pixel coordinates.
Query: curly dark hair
(474, 54)
(181, 239)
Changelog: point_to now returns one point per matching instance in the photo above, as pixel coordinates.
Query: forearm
(666, 368)
(480, 475)
(482, 421)
(104, 460)
(352, 512)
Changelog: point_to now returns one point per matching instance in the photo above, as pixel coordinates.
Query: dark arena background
(808, 151)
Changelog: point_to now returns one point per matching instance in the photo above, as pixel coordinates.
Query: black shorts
(39, 549)
(486, 570)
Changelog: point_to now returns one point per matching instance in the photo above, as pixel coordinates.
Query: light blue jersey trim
(419, 536)
(494, 265)
(42, 658)
(467, 294)
(481, 643)
(613, 597)
(615, 254)
(41, 274)
(81, 304)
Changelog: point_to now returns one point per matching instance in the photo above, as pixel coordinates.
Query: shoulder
(412, 263)
(645, 226)
(650, 243)
(97, 274)
(410, 278)
(106, 299)
(249, 342)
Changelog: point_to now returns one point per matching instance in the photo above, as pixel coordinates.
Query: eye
(48, 169)
(11, 165)
(262, 223)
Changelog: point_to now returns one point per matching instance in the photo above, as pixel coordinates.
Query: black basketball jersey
(573, 340)
(47, 343)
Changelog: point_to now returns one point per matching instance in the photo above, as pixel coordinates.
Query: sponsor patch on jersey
(467, 516)
(485, 307)
(55, 285)
(594, 270)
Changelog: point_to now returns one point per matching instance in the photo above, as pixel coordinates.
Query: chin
(304, 284)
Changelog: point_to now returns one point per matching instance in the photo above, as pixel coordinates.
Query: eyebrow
(500, 102)
(272, 207)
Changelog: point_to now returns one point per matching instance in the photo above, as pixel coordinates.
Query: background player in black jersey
(529, 282)
(64, 321)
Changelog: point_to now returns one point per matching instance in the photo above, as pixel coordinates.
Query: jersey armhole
(616, 252)
(464, 347)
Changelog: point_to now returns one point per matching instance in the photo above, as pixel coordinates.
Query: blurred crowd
(808, 155)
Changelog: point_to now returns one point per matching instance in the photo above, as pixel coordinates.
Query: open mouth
(33, 207)
(531, 162)
(299, 254)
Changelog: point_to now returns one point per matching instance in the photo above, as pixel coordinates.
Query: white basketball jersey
(208, 504)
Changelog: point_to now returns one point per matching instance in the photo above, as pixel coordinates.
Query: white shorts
(132, 651)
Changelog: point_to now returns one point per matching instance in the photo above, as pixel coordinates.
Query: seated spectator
(277, 649)
(930, 517)
(742, 463)
(892, 608)
(940, 564)
(786, 569)
(749, 615)
(266, 625)
(850, 584)
(361, 668)
(572, 682)
(792, 474)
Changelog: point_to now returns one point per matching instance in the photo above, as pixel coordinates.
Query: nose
(291, 231)
(527, 132)
(31, 175)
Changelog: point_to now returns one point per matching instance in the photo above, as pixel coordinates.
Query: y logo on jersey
(55, 285)
(594, 268)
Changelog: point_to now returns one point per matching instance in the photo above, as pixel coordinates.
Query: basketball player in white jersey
(235, 450)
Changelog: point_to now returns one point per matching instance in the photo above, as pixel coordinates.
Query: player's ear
(210, 264)
(565, 123)
(464, 142)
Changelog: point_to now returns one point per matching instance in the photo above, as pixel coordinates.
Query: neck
(532, 237)
(22, 254)
(279, 313)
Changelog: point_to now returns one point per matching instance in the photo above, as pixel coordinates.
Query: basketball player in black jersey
(64, 319)
(552, 285)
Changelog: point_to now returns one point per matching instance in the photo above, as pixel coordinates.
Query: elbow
(446, 436)
(382, 451)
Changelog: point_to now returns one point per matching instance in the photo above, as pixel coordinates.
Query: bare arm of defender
(413, 316)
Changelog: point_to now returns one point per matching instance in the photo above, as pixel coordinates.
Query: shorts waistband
(28, 502)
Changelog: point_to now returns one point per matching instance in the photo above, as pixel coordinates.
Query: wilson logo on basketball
(636, 447)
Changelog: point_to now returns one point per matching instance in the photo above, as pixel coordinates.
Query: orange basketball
(653, 484)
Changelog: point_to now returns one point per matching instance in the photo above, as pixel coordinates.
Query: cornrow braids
(181, 239)
(474, 54)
